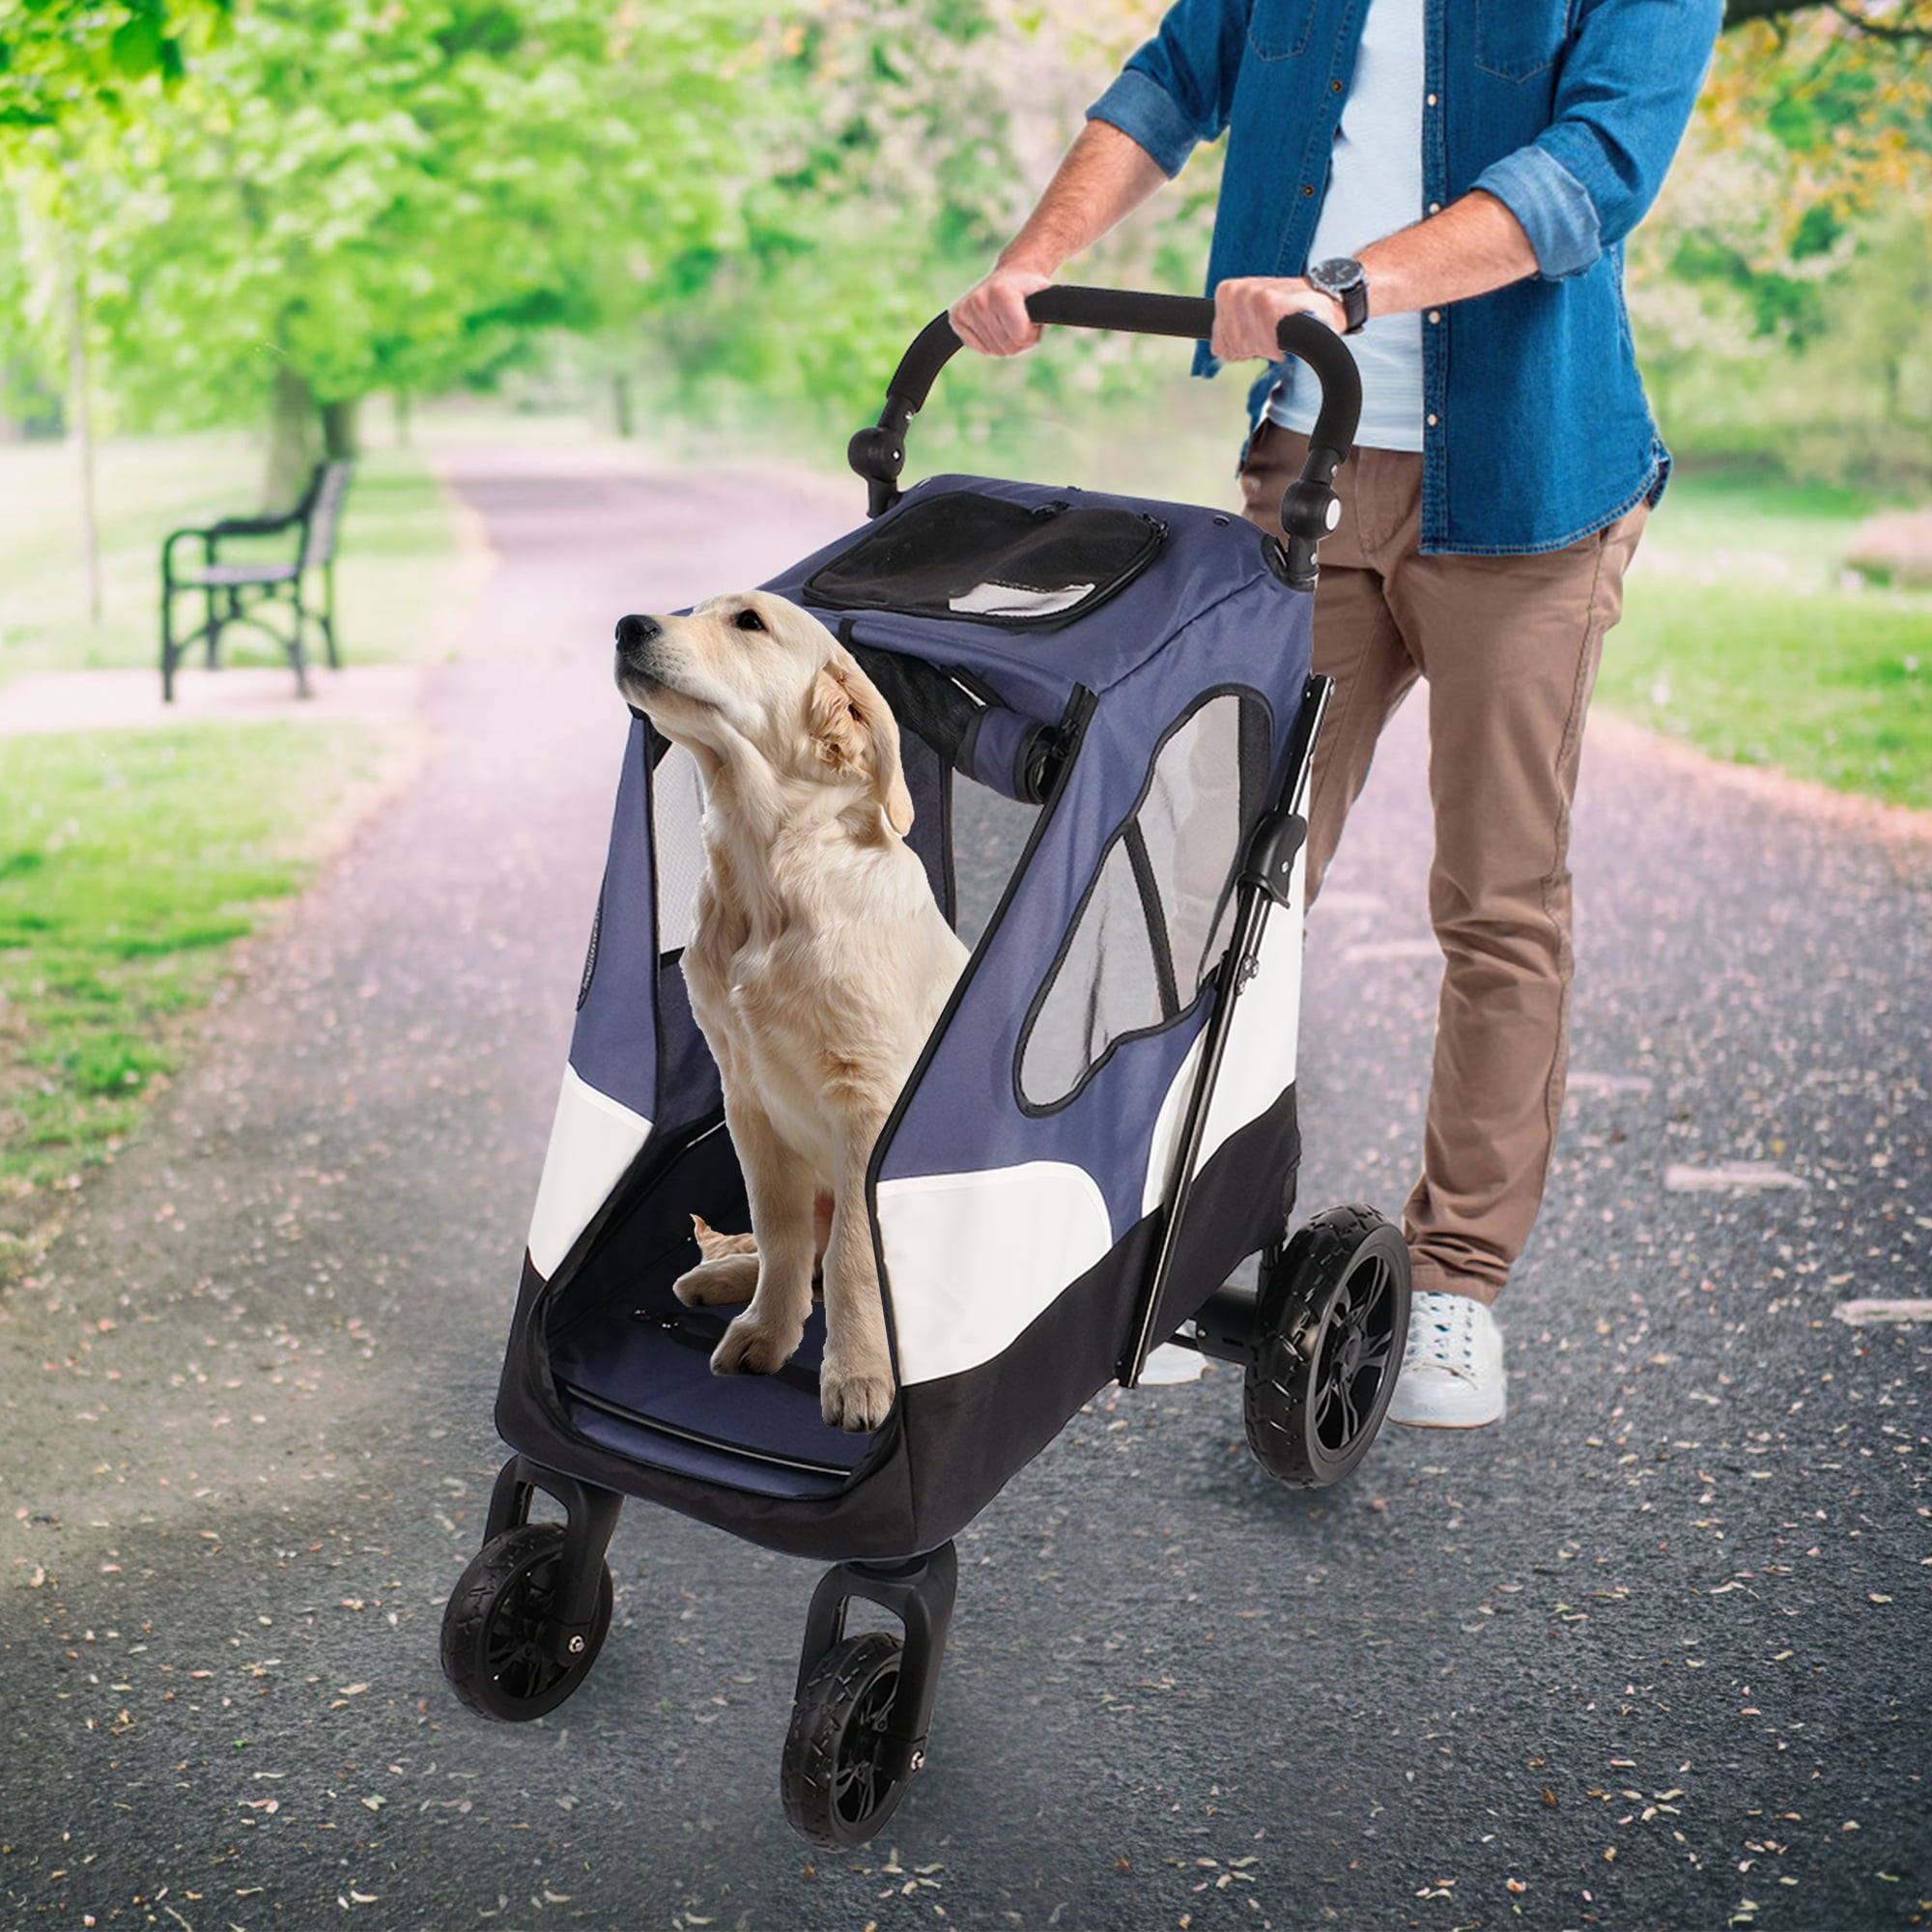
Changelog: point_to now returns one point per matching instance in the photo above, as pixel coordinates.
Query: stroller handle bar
(1309, 509)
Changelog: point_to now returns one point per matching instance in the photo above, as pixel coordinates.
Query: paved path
(1653, 1652)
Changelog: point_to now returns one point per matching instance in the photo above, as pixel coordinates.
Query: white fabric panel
(973, 1257)
(1261, 1056)
(592, 1140)
(1016, 600)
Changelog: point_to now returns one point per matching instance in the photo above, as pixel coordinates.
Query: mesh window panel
(1192, 824)
(1162, 909)
(678, 810)
(1107, 984)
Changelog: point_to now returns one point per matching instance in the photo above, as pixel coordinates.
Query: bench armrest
(211, 534)
(255, 527)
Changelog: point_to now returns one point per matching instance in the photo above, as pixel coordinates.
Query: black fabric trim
(657, 1426)
(1158, 942)
(948, 902)
(590, 951)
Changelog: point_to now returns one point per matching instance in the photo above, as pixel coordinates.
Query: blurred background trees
(264, 211)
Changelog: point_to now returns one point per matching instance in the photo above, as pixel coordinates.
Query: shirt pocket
(1278, 29)
(1519, 39)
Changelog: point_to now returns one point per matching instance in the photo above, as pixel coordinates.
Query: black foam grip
(1137, 313)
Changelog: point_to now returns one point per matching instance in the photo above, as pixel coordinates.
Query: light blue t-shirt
(1374, 188)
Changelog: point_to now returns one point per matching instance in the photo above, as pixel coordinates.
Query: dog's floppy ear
(855, 731)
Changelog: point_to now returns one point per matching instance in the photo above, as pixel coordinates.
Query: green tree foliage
(59, 58)
(902, 147)
(1778, 289)
(350, 195)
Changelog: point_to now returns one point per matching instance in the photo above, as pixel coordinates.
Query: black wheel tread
(1276, 1390)
(466, 1625)
(809, 1781)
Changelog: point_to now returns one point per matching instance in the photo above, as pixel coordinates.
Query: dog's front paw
(723, 1283)
(753, 1348)
(858, 1401)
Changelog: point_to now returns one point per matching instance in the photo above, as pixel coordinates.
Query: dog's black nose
(633, 632)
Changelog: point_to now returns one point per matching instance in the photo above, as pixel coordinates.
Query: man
(1449, 182)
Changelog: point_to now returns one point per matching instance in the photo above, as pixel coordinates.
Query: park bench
(236, 592)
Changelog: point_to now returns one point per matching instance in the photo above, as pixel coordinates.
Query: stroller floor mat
(639, 1379)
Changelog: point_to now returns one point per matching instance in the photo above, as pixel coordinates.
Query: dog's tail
(714, 1246)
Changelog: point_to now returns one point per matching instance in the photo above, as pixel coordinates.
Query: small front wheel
(1331, 1325)
(499, 1625)
(843, 1773)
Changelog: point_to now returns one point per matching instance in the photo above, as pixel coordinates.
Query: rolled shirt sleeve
(1630, 80)
(1177, 89)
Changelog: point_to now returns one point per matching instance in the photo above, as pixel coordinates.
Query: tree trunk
(83, 435)
(402, 402)
(338, 429)
(290, 442)
(620, 397)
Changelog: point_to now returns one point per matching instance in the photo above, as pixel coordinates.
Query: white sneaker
(1452, 1367)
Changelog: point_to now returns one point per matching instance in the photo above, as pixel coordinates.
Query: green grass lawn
(1742, 636)
(129, 862)
(399, 534)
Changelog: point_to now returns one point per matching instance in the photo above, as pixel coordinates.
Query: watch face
(1333, 277)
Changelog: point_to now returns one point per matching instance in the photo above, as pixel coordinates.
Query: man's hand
(1247, 308)
(1103, 176)
(993, 317)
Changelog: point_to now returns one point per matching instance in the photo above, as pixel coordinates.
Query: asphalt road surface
(1652, 1654)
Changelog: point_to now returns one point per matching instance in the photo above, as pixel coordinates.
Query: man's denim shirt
(1536, 430)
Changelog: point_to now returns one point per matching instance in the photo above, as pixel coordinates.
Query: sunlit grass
(129, 862)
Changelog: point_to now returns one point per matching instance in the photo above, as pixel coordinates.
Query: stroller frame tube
(1266, 879)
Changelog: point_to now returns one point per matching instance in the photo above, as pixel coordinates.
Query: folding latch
(1277, 839)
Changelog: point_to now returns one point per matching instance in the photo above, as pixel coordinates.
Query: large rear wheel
(1331, 1320)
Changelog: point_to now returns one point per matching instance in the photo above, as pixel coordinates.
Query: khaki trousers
(1509, 646)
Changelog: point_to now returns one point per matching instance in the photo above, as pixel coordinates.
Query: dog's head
(752, 672)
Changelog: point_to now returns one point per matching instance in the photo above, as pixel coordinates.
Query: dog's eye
(749, 619)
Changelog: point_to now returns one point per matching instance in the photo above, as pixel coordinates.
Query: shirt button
(1334, 87)
(1431, 423)
(1307, 190)
(1432, 100)
(1435, 315)
(1436, 208)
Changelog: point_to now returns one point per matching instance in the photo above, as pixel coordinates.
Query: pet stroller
(1100, 1131)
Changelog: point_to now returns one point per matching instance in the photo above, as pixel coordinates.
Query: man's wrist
(1026, 260)
(1344, 281)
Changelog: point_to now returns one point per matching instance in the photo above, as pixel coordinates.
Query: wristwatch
(1344, 280)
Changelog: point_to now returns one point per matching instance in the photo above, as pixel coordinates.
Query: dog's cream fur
(818, 963)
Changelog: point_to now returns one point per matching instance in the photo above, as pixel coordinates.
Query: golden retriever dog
(818, 963)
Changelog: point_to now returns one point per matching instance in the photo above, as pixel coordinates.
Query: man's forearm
(1474, 246)
(1102, 178)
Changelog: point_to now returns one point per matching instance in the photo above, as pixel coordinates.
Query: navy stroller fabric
(1017, 1191)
